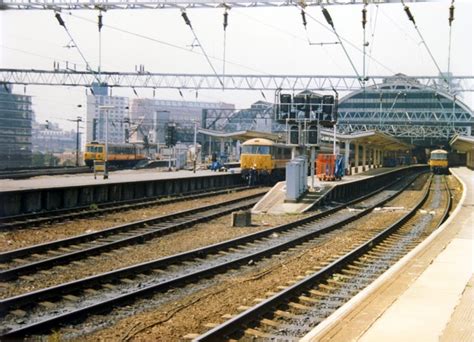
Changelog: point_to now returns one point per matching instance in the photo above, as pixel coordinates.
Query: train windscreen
(253, 149)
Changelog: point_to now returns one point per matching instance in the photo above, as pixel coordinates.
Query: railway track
(39, 257)
(291, 313)
(9, 223)
(28, 173)
(49, 307)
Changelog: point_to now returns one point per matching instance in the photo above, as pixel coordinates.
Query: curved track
(293, 312)
(49, 307)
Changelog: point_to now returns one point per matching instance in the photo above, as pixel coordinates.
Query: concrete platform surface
(426, 296)
(274, 201)
(122, 176)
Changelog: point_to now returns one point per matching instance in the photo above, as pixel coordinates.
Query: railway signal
(171, 135)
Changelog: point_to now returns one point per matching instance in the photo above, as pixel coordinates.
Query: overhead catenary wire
(364, 43)
(188, 22)
(450, 19)
(155, 40)
(225, 24)
(305, 24)
(100, 24)
(412, 19)
(371, 44)
(63, 24)
(329, 20)
(351, 44)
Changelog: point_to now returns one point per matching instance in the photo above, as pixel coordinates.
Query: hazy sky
(259, 41)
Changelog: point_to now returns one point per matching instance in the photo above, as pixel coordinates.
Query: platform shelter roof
(462, 143)
(241, 135)
(371, 138)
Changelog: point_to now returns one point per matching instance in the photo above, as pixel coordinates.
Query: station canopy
(241, 135)
(371, 138)
(462, 143)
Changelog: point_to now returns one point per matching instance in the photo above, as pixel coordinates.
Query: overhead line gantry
(59, 5)
(150, 80)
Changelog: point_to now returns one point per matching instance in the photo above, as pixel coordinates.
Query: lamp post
(106, 156)
(195, 146)
(78, 119)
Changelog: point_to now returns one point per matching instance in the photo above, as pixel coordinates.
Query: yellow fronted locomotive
(439, 161)
(119, 155)
(264, 161)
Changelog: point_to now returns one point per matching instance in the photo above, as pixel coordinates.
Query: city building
(49, 138)
(103, 108)
(151, 116)
(16, 117)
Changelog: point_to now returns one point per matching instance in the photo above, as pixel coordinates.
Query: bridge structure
(59, 5)
(416, 108)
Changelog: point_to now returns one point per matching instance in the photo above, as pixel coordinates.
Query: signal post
(303, 115)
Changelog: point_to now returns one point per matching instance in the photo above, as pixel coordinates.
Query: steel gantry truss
(163, 4)
(210, 81)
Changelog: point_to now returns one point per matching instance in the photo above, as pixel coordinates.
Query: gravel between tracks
(56, 231)
(198, 236)
(170, 322)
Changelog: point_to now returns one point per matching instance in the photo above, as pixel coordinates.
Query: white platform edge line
(347, 308)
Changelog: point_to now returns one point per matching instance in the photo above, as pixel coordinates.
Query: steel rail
(229, 327)
(29, 298)
(31, 219)
(149, 233)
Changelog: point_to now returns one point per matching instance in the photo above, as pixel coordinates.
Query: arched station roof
(404, 108)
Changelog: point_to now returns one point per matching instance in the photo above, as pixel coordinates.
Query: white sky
(259, 40)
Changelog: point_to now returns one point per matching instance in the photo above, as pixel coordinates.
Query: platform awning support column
(356, 157)
(347, 146)
(364, 157)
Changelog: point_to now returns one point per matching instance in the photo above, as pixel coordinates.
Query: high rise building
(15, 128)
(99, 107)
(152, 115)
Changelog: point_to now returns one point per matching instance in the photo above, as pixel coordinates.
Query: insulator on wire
(60, 20)
(328, 18)
(451, 14)
(303, 16)
(364, 18)
(226, 15)
(100, 22)
(410, 16)
(186, 19)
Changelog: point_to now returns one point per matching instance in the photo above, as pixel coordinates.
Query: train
(439, 162)
(119, 155)
(263, 161)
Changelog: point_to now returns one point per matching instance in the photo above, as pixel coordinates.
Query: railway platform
(427, 296)
(274, 201)
(46, 193)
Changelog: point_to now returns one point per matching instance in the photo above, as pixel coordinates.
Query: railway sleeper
(285, 314)
(257, 333)
(298, 306)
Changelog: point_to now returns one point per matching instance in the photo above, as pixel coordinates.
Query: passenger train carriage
(264, 161)
(120, 155)
(439, 161)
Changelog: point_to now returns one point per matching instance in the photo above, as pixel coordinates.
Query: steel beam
(164, 4)
(211, 82)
